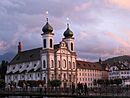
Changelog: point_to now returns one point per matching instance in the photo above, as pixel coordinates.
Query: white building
(120, 70)
(87, 72)
(51, 61)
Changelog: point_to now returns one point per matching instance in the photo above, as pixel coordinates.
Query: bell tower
(47, 36)
(47, 53)
(69, 39)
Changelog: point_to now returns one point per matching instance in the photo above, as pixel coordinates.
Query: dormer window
(34, 65)
(27, 66)
(20, 66)
(13, 67)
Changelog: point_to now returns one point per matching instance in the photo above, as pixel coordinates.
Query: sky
(101, 27)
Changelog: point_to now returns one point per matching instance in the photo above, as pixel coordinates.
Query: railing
(102, 91)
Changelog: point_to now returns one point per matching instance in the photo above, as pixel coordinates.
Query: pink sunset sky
(101, 27)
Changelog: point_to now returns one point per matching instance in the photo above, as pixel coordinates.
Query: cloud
(3, 45)
(118, 39)
(124, 4)
(82, 7)
(89, 19)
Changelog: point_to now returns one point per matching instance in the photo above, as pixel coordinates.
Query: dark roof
(68, 33)
(88, 65)
(26, 56)
(47, 28)
(56, 46)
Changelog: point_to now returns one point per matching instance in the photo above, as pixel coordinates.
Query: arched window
(69, 65)
(73, 65)
(44, 79)
(64, 64)
(52, 65)
(71, 46)
(59, 77)
(44, 43)
(59, 64)
(64, 76)
(69, 77)
(44, 64)
(50, 43)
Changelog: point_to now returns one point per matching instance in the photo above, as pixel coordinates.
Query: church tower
(47, 36)
(47, 53)
(69, 39)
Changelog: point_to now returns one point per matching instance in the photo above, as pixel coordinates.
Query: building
(53, 61)
(87, 72)
(49, 62)
(120, 70)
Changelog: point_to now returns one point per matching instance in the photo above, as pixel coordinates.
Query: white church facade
(49, 62)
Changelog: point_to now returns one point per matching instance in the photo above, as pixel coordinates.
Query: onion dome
(68, 33)
(47, 28)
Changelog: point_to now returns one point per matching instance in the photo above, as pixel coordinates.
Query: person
(85, 89)
(81, 88)
(40, 86)
(73, 88)
(78, 89)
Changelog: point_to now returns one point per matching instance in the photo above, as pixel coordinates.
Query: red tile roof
(88, 65)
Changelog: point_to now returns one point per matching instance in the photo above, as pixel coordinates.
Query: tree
(55, 83)
(100, 81)
(117, 82)
(95, 82)
(2, 83)
(3, 69)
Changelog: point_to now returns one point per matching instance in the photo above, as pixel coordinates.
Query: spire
(47, 27)
(47, 16)
(67, 22)
(68, 33)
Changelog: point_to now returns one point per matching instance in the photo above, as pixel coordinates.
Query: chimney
(19, 47)
(100, 61)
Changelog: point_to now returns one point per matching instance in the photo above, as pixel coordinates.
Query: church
(49, 62)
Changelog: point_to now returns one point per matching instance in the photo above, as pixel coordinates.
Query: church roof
(26, 56)
(56, 46)
(29, 55)
(47, 28)
(68, 33)
(88, 65)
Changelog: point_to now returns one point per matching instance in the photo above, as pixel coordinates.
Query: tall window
(69, 65)
(73, 65)
(52, 76)
(59, 64)
(44, 42)
(74, 78)
(71, 46)
(69, 77)
(44, 78)
(50, 43)
(52, 65)
(64, 76)
(59, 77)
(44, 64)
(64, 64)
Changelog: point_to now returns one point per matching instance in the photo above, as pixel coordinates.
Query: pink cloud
(82, 7)
(118, 39)
(3, 45)
(125, 4)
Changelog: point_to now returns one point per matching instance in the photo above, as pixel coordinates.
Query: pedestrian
(73, 88)
(85, 89)
(78, 89)
(81, 88)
